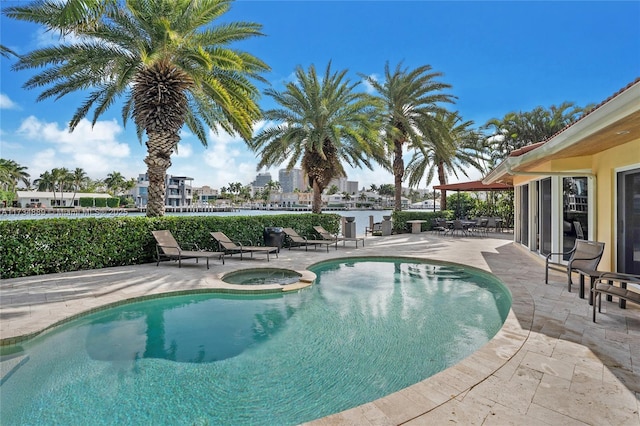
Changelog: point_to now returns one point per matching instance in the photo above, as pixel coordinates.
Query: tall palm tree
(410, 99)
(11, 174)
(323, 122)
(166, 58)
(451, 147)
(60, 176)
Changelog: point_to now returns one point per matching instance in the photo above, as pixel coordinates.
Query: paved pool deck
(548, 365)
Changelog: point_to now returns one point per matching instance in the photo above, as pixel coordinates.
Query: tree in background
(12, 174)
(449, 148)
(519, 129)
(323, 122)
(410, 98)
(166, 58)
(115, 182)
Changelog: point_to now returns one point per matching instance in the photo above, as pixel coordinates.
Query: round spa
(278, 279)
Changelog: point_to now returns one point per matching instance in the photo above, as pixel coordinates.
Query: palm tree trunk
(398, 174)
(442, 178)
(317, 198)
(159, 148)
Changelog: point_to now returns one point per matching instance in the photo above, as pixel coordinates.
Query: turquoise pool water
(368, 327)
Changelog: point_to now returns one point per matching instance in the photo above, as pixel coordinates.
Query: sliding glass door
(524, 215)
(628, 207)
(544, 216)
(575, 211)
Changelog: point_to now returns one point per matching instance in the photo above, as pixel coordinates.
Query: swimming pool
(367, 328)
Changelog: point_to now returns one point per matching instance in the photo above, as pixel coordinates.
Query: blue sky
(499, 57)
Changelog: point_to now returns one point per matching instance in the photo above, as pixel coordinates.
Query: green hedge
(99, 202)
(44, 246)
(400, 219)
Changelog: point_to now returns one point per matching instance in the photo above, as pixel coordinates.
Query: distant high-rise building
(352, 187)
(290, 180)
(262, 179)
(344, 185)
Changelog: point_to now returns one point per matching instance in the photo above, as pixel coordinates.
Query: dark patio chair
(168, 248)
(584, 255)
(458, 227)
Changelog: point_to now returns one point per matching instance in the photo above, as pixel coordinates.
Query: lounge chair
(584, 255)
(326, 235)
(296, 240)
(168, 248)
(229, 247)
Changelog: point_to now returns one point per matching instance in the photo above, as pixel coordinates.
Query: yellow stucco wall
(604, 166)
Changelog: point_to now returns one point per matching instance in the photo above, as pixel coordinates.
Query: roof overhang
(616, 122)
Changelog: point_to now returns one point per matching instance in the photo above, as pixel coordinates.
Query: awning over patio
(475, 185)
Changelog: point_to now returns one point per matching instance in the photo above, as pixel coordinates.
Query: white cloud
(95, 149)
(183, 150)
(7, 103)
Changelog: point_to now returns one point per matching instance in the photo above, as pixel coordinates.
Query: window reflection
(575, 211)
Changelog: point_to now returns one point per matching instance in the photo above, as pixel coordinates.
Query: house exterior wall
(603, 192)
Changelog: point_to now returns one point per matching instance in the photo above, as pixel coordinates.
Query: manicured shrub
(44, 246)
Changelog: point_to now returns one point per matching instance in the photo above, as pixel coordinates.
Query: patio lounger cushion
(168, 248)
(230, 247)
(296, 240)
(326, 235)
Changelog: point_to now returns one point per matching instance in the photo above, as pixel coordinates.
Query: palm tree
(5, 52)
(449, 148)
(44, 182)
(79, 178)
(115, 182)
(323, 122)
(60, 177)
(518, 129)
(11, 174)
(171, 65)
(410, 99)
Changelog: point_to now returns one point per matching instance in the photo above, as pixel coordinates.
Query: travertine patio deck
(549, 365)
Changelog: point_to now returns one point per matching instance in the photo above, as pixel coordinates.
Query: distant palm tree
(167, 59)
(115, 182)
(44, 182)
(519, 129)
(11, 174)
(60, 177)
(451, 147)
(322, 123)
(79, 178)
(410, 99)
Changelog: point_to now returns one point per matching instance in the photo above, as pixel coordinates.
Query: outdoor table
(466, 223)
(593, 276)
(416, 225)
